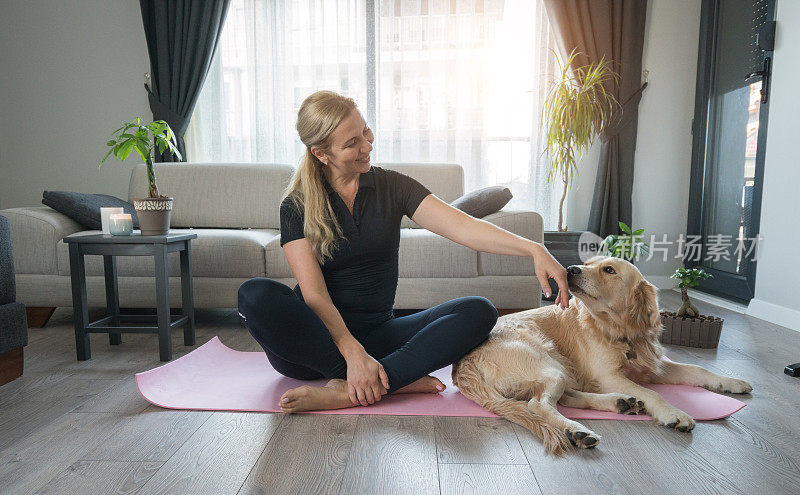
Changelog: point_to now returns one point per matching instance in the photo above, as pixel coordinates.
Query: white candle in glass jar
(105, 212)
(120, 224)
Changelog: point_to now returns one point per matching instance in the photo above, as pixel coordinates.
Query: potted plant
(627, 245)
(576, 109)
(687, 326)
(153, 211)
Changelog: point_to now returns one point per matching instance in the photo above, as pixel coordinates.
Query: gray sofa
(13, 322)
(233, 209)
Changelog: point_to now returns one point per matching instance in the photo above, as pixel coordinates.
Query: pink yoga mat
(215, 377)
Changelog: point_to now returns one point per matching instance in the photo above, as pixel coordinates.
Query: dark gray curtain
(614, 28)
(182, 36)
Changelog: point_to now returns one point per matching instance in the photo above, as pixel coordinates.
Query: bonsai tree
(689, 277)
(576, 109)
(627, 245)
(134, 136)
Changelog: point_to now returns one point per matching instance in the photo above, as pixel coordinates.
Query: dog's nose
(573, 270)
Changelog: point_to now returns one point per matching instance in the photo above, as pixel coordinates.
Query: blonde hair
(319, 115)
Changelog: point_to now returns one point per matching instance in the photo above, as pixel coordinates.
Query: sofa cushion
(484, 201)
(85, 208)
(277, 266)
(223, 253)
(218, 195)
(247, 195)
(423, 254)
(527, 224)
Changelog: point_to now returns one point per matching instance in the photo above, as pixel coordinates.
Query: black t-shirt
(362, 275)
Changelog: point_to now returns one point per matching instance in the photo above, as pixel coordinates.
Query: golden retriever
(593, 354)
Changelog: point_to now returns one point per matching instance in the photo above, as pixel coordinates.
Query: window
(450, 82)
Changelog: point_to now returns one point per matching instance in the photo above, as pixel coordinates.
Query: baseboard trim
(715, 300)
(773, 313)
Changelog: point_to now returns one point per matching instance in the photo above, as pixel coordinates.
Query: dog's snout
(573, 270)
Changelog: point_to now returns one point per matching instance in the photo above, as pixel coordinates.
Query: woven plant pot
(702, 331)
(154, 214)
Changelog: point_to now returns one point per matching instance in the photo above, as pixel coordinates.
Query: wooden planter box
(702, 331)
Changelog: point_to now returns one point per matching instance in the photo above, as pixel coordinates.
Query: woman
(340, 231)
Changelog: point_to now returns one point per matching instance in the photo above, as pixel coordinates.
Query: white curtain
(459, 81)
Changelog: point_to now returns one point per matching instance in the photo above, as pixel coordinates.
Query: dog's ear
(644, 306)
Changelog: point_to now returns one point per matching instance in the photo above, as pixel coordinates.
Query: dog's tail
(469, 380)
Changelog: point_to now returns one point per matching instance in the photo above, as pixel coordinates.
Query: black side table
(134, 245)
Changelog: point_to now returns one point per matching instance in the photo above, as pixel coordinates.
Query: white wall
(664, 142)
(73, 71)
(778, 272)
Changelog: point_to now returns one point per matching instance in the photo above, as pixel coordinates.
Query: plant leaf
(142, 150)
(124, 150)
(107, 154)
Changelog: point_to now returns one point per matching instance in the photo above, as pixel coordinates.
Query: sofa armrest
(35, 232)
(524, 223)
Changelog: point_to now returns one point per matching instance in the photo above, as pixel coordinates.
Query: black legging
(299, 345)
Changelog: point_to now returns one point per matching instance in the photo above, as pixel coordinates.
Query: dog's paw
(676, 419)
(630, 405)
(729, 385)
(582, 438)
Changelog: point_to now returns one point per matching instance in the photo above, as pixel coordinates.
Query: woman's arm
(480, 235)
(367, 381)
(315, 293)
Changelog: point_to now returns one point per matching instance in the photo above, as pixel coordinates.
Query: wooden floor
(81, 427)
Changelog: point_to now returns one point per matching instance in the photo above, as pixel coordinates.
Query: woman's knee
(260, 291)
(481, 308)
(482, 312)
(287, 368)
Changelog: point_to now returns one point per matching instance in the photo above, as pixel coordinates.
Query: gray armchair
(13, 321)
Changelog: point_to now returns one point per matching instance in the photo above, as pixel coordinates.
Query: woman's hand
(546, 268)
(366, 379)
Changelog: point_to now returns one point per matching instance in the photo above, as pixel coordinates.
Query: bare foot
(334, 394)
(426, 384)
(307, 398)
